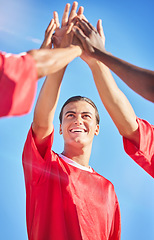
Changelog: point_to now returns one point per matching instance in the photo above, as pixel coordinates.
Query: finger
(83, 39)
(49, 26)
(84, 26)
(79, 33)
(53, 29)
(90, 26)
(47, 43)
(56, 19)
(70, 25)
(83, 17)
(73, 11)
(50, 33)
(80, 11)
(65, 15)
(100, 28)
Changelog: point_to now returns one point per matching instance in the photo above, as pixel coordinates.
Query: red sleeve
(18, 77)
(144, 155)
(115, 233)
(1, 63)
(33, 163)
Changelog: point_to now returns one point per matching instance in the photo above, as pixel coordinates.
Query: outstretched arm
(47, 101)
(113, 99)
(139, 79)
(50, 61)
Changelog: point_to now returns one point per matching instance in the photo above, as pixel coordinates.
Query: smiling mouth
(78, 130)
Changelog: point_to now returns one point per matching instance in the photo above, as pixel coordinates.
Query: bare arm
(112, 97)
(47, 101)
(139, 79)
(115, 102)
(51, 60)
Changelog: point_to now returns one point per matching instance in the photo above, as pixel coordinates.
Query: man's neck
(79, 155)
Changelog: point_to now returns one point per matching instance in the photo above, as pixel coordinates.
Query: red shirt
(144, 155)
(64, 202)
(18, 77)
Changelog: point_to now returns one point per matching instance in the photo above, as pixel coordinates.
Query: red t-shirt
(144, 155)
(64, 202)
(18, 77)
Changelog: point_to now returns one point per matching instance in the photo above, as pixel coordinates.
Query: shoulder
(103, 181)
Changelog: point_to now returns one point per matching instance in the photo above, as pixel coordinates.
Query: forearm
(139, 79)
(114, 100)
(52, 60)
(46, 105)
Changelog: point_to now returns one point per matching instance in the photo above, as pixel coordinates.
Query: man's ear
(97, 130)
(60, 129)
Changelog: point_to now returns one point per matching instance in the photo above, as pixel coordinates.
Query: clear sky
(128, 27)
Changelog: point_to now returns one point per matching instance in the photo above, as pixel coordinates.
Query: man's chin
(79, 140)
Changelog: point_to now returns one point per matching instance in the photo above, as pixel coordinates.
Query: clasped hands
(74, 30)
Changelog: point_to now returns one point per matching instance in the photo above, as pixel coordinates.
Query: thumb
(84, 39)
(79, 34)
(100, 28)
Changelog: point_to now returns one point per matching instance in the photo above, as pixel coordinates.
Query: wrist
(77, 50)
(97, 66)
(94, 64)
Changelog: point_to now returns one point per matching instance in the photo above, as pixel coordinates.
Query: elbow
(133, 135)
(41, 132)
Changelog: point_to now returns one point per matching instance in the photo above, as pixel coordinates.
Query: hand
(63, 36)
(47, 43)
(91, 39)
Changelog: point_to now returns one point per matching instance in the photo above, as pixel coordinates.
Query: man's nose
(78, 120)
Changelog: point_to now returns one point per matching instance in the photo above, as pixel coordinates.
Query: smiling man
(65, 198)
(79, 122)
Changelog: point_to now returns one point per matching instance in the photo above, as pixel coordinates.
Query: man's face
(79, 123)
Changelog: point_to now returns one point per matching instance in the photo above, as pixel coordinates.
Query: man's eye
(87, 116)
(70, 115)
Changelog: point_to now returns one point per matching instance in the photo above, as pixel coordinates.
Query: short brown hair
(80, 98)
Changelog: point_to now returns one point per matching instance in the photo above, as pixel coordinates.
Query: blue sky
(128, 27)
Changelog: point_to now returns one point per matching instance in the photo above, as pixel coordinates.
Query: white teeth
(77, 130)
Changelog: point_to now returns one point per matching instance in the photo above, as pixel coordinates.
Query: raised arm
(47, 101)
(112, 97)
(50, 61)
(139, 79)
